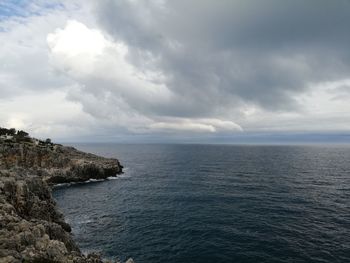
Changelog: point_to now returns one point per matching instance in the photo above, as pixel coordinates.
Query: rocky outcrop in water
(31, 227)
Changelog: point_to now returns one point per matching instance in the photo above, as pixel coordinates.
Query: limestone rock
(31, 227)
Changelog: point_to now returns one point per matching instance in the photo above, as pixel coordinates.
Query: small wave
(124, 175)
(61, 185)
(112, 178)
(91, 181)
(76, 183)
(85, 221)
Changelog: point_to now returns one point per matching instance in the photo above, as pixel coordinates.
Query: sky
(176, 71)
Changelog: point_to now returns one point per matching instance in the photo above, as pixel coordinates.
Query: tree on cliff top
(4, 131)
(22, 134)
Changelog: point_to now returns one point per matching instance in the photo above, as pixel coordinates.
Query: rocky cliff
(55, 163)
(31, 227)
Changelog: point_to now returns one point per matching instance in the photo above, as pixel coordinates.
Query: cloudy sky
(184, 70)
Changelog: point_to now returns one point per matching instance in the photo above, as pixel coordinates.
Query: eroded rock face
(56, 164)
(31, 227)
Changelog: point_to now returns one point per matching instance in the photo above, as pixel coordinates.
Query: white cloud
(184, 125)
(76, 48)
(101, 66)
(195, 125)
(49, 114)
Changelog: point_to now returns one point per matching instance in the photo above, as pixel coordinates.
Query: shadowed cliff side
(31, 227)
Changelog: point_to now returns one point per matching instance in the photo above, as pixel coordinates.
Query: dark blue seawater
(210, 203)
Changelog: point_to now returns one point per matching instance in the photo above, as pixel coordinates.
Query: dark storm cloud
(217, 55)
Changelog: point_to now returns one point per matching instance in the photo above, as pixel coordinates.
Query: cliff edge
(31, 227)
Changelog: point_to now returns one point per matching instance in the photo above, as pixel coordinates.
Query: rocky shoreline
(31, 227)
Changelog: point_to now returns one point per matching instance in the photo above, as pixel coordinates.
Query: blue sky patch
(10, 8)
(24, 8)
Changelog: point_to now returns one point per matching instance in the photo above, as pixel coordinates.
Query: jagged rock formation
(31, 227)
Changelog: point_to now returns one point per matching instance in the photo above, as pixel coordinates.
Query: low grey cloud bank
(183, 67)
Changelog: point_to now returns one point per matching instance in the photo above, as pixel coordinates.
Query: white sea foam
(119, 176)
(93, 180)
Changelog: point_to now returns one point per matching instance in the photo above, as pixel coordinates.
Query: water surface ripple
(210, 203)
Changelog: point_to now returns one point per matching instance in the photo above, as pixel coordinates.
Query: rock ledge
(31, 227)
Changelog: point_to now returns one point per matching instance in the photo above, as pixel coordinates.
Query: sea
(215, 203)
